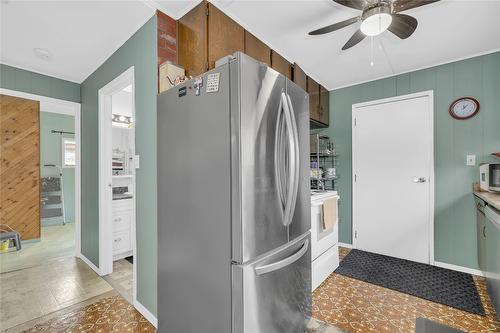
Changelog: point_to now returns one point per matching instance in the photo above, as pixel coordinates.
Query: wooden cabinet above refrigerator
(206, 34)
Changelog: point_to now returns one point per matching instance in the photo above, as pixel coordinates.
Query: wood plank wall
(20, 165)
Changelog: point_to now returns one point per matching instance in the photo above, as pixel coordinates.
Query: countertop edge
(491, 198)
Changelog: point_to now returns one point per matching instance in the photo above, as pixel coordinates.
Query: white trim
(105, 176)
(475, 55)
(459, 268)
(90, 264)
(430, 95)
(47, 104)
(59, 106)
(145, 312)
(349, 246)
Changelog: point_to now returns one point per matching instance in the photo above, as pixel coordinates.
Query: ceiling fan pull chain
(371, 51)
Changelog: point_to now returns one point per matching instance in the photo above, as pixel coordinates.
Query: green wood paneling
(22, 80)
(455, 235)
(138, 51)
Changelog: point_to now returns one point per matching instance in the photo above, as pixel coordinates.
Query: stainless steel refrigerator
(234, 202)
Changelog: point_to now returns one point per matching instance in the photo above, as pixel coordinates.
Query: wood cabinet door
(224, 35)
(281, 65)
(313, 90)
(299, 77)
(256, 49)
(324, 102)
(192, 40)
(20, 165)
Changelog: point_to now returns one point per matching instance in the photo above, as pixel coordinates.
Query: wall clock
(464, 108)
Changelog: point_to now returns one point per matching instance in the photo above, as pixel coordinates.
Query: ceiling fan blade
(354, 4)
(403, 25)
(355, 39)
(401, 5)
(335, 26)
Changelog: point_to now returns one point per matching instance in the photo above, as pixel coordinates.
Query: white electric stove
(324, 243)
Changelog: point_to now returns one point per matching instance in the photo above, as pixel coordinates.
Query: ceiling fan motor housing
(376, 18)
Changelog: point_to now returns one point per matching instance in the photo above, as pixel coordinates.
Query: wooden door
(281, 65)
(299, 77)
(313, 90)
(324, 105)
(192, 40)
(224, 36)
(257, 49)
(20, 165)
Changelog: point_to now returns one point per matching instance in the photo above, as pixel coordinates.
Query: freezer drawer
(273, 293)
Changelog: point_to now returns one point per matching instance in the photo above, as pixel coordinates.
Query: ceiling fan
(377, 17)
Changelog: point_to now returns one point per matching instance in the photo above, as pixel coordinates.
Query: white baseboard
(349, 246)
(459, 268)
(90, 264)
(145, 312)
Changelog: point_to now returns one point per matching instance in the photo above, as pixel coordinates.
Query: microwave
(489, 177)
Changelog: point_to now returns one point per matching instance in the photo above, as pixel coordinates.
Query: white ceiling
(81, 35)
(174, 8)
(448, 30)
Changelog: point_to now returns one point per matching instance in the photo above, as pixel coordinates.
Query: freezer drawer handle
(283, 263)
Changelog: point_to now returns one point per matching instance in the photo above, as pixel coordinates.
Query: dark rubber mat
(436, 284)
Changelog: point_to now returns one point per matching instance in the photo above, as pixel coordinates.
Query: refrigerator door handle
(294, 157)
(278, 153)
(284, 262)
(292, 161)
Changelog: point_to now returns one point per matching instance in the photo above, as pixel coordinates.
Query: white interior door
(393, 177)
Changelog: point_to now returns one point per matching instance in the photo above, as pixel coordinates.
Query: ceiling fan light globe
(376, 24)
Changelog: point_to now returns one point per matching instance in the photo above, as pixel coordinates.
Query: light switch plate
(136, 161)
(471, 160)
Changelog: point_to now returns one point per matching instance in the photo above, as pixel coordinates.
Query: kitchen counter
(493, 199)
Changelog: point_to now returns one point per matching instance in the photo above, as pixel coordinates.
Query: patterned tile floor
(349, 304)
(357, 306)
(110, 314)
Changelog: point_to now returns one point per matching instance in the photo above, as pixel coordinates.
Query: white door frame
(355, 107)
(105, 176)
(59, 106)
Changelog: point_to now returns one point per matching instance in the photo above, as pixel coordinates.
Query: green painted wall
(139, 51)
(455, 234)
(22, 80)
(50, 153)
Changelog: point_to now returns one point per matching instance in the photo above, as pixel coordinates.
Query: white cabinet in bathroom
(122, 228)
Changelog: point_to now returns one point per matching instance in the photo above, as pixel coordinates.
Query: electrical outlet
(471, 160)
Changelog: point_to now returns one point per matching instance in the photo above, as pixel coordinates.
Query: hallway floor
(57, 241)
(356, 306)
(122, 279)
(33, 292)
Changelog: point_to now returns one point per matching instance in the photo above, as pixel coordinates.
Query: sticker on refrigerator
(213, 82)
(198, 83)
(182, 91)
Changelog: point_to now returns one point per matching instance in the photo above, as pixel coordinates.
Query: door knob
(419, 180)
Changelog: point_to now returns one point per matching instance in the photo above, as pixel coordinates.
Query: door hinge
(355, 177)
(355, 122)
(355, 234)
(206, 10)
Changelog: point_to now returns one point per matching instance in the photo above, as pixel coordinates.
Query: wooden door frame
(430, 95)
(105, 177)
(59, 106)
